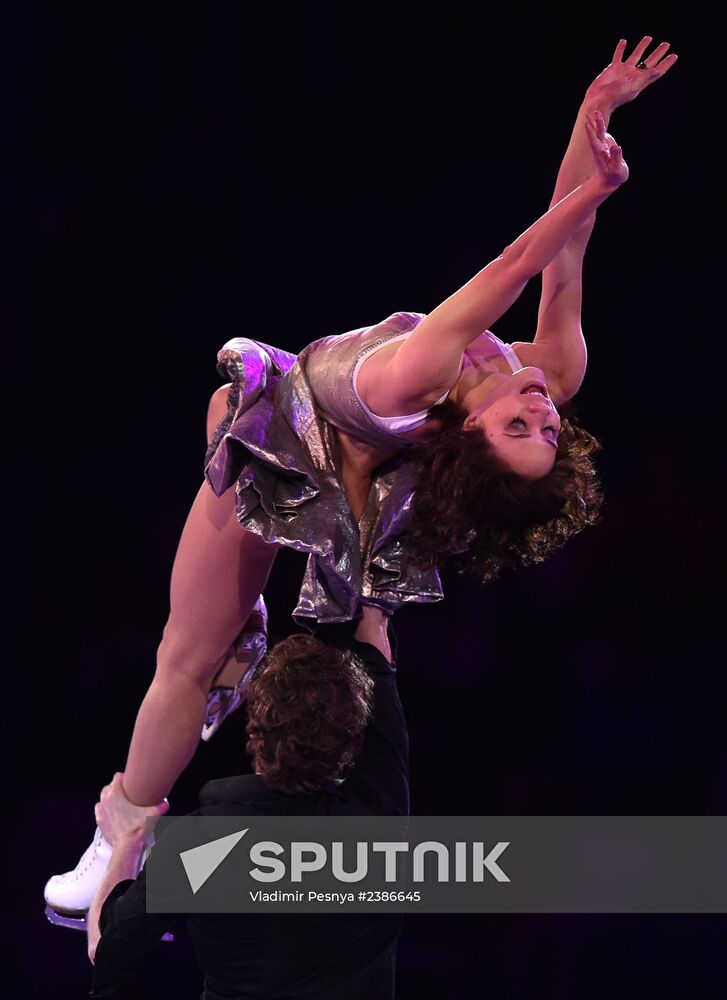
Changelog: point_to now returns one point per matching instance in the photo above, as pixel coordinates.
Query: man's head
(308, 706)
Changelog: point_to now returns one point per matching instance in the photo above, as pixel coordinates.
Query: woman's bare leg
(219, 571)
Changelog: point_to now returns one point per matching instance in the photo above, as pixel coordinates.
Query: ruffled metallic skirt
(281, 457)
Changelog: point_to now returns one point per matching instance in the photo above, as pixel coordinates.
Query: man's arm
(380, 777)
(120, 931)
(559, 328)
(123, 826)
(379, 781)
(124, 864)
(128, 933)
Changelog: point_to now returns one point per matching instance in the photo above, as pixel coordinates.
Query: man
(337, 700)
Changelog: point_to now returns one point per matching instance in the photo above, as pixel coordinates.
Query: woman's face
(520, 421)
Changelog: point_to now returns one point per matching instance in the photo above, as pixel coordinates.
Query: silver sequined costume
(277, 443)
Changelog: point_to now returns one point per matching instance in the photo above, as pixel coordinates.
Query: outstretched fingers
(653, 58)
(666, 64)
(638, 52)
(657, 61)
(619, 51)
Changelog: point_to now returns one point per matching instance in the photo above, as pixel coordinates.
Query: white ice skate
(71, 894)
(223, 701)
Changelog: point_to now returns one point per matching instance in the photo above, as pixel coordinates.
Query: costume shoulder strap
(509, 353)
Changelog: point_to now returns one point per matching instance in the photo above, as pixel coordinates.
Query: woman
(367, 411)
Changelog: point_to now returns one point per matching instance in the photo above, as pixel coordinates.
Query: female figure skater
(493, 471)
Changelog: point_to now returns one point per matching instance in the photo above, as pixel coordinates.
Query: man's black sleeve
(379, 781)
(128, 932)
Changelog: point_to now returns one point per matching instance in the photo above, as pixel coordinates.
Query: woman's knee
(197, 658)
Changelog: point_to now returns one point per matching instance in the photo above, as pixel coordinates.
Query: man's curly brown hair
(470, 508)
(308, 707)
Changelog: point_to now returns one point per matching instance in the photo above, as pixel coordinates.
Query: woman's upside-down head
(467, 497)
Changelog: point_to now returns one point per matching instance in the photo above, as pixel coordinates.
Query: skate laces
(86, 860)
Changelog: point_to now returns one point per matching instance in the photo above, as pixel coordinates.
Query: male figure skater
(327, 736)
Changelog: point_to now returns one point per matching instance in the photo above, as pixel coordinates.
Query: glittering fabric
(277, 443)
(329, 365)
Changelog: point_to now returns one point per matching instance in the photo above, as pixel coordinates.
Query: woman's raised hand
(621, 81)
(606, 151)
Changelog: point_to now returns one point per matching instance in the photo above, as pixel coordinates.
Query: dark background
(175, 175)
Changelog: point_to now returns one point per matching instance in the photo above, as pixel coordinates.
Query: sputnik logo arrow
(200, 862)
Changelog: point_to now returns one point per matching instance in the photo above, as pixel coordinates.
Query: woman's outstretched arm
(429, 359)
(559, 332)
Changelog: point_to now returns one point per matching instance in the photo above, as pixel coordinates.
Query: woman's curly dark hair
(308, 706)
(470, 508)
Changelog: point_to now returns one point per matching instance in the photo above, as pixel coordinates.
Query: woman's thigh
(219, 571)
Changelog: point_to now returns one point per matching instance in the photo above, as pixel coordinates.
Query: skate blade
(78, 922)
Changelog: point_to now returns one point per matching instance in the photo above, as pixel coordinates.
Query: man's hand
(123, 825)
(94, 936)
(125, 863)
(621, 81)
(118, 818)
